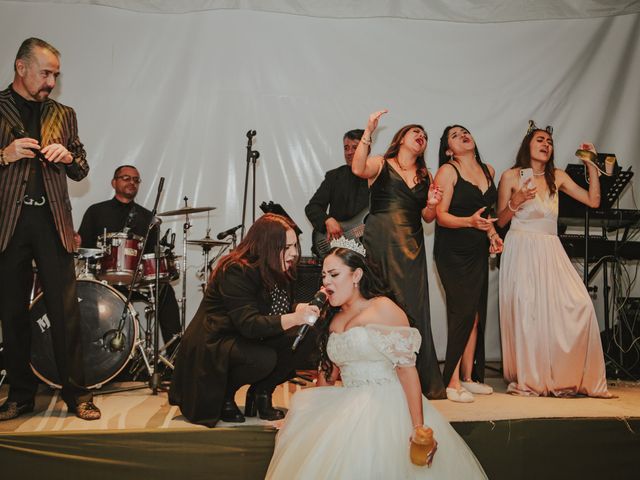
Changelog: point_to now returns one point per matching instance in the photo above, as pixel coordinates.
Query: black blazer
(58, 125)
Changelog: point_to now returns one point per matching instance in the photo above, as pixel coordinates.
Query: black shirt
(345, 194)
(30, 116)
(113, 215)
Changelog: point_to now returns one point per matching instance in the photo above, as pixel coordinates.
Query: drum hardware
(84, 255)
(207, 243)
(186, 210)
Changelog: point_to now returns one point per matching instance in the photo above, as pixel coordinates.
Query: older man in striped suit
(39, 149)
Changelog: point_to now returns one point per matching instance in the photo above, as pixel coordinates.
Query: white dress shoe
(462, 395)
(477, 388)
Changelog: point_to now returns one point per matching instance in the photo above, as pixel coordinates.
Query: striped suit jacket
(58, 125)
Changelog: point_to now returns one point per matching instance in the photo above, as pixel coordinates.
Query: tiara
(533, 126)
(349, 244)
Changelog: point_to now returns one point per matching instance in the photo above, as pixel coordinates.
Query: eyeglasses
(129, 178)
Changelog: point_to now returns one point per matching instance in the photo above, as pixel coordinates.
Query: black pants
(36, 238)
(265, 364)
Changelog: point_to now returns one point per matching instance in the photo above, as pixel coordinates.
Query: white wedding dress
(362, 429)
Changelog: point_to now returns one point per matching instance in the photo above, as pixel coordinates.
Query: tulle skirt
(363, 433)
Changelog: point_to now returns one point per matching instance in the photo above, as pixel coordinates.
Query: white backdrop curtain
(175, 94)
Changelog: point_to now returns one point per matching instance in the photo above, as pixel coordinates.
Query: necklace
(538, 174)
(404, 169)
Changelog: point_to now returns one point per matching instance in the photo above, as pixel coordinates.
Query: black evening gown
(394, 240)
(462, 259)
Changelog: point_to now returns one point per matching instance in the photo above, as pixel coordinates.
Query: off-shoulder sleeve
(398, 344)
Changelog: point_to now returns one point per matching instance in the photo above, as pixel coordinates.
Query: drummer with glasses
(122, 215)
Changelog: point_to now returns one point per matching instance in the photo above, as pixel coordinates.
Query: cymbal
(89, 252)
(185, 211)
(207, 242)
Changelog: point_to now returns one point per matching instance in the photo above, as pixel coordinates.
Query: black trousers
(265, 364)
(36, 238)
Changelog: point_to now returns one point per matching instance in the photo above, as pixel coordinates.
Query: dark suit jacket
(59, 125)
(345, 194)
(234, 306)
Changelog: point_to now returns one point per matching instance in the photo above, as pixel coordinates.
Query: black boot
(230, 412)
(260, 403)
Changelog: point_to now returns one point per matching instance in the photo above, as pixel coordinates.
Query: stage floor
(141, 436)
(140, 409)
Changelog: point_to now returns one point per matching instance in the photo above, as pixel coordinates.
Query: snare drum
(101, 308)
(120, 257)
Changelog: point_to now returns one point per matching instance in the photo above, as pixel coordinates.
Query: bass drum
(101, 308)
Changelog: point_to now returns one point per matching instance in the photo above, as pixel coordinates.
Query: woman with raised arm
(402, 195)
(465, 236)
(550, 336)
(242, 332)
(373, 426)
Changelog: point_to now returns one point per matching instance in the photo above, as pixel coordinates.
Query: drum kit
(108, 279)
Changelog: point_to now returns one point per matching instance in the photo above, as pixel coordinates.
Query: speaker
(308, 279)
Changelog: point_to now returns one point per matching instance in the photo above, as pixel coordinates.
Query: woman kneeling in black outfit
(242, 332)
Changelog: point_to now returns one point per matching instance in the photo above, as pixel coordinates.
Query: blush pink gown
(550, 335)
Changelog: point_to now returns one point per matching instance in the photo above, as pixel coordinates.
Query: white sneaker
(462, 395)
(477, 388)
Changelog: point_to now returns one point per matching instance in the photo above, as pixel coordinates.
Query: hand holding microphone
(310, 313)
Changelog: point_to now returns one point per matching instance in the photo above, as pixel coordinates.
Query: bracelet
(366, 141)
(3, 162)
(493, 235)
(511, 208)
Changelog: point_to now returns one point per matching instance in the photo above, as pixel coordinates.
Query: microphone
(228, 232)
(132, 214)
(318, 301)
(18, 132)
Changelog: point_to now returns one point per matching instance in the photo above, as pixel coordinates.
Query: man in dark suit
(344, 194)
(39, 149)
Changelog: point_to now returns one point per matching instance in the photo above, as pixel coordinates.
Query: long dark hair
(262, 248)
(444, 145)
(523, 159)
(394, 148)
(371, 285)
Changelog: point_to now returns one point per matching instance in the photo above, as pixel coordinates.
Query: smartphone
(526, 174)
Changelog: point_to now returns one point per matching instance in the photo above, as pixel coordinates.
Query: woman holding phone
(550, 336)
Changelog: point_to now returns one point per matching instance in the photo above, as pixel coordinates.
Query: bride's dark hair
(371, 285)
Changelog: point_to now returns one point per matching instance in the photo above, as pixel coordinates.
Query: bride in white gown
(362, 430)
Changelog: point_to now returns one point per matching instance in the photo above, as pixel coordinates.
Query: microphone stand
(252, 156)
(117, 341)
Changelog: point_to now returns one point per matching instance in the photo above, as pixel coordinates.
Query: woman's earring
(451, 158)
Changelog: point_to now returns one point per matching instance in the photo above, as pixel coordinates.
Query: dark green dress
(462, 258)
(394, 240)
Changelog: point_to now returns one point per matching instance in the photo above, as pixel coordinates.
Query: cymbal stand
(252, 156)
(183, 301)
